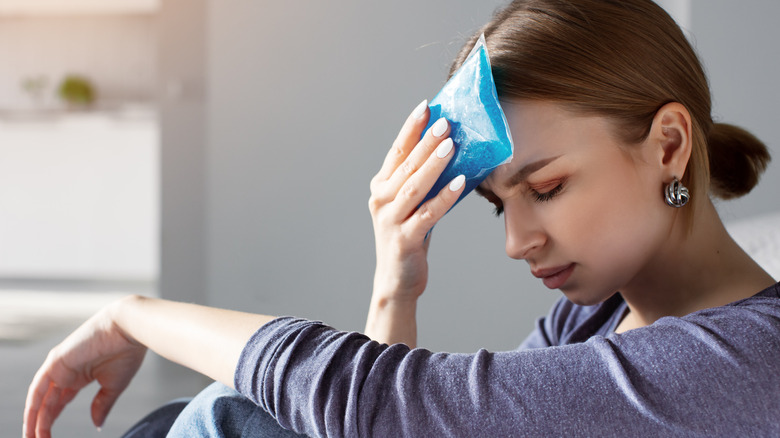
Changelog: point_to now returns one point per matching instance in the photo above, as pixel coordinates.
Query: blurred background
(219, 152)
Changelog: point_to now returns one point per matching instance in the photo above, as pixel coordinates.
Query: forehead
(545, 130)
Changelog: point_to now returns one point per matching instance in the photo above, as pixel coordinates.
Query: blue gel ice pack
(478, 127)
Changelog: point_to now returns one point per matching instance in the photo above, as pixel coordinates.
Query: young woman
(668, 328)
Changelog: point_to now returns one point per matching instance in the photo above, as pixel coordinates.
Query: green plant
(77, 90)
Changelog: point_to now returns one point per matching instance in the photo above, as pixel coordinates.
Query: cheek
(614, 224)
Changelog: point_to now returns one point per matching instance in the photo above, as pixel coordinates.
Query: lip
(555, 277)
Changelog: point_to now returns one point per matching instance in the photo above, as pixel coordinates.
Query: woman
(668, 327)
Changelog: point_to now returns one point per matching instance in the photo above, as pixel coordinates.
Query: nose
(523, 235)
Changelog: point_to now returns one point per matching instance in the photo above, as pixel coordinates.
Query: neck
(700, 267)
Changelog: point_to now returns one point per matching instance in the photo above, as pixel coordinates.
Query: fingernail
(99, 429)
(444, 148)
(420, 109)
(457, 183)
(439, 128)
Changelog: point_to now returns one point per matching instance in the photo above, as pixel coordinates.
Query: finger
(64, 396)
(417, 157)
(432, 211)
(52, 388)
(407, 138)
(418, 185)
(35, 395)
(51, 405)
(101, 405)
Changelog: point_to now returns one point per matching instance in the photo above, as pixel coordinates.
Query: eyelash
(538, 197)
(548, 196)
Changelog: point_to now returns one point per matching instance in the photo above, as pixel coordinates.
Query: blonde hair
(623, 59)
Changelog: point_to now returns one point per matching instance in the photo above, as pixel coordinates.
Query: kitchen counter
(120, 112)
(79, 193)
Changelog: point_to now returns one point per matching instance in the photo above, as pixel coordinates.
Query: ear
(671, 137)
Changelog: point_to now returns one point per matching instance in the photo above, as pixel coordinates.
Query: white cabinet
(77, 7)
(79, 196)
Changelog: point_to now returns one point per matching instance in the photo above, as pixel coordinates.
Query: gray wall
(304, 104)
(739, 47)
(182, 69)
(303, 101)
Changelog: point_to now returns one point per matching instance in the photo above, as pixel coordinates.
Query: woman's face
(585, 211)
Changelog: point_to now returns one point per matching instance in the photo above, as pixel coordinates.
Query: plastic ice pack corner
(478, 126)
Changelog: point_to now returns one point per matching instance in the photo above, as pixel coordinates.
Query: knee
(216, 411)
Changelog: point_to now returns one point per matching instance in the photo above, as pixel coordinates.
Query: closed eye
(548, 195)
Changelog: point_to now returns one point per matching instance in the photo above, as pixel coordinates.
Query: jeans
(217, 411)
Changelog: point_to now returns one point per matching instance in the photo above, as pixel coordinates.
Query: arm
(205, 339)
(110, 346)
(409, 171)
(711, 374)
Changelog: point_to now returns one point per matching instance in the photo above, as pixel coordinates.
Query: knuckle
(374, 184)
(377, 202)
(425, 213)
(53, 354)
(379, 198)
(397, 149)
(408, 168)
(373, 204)
(410, 190)
(396, 146)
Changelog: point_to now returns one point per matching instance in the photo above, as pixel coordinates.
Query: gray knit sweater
(715, 372)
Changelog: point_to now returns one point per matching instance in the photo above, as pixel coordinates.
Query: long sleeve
(711, 373)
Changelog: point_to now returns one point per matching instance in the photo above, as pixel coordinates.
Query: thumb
(101, 405)
(427, 241)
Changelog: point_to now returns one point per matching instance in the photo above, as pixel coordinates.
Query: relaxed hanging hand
(98, 350)
(110, 346)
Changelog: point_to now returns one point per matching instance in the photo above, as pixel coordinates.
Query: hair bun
(737, 160)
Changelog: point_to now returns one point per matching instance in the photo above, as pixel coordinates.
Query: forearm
(205, 339)
(321, 382)
(392, 321)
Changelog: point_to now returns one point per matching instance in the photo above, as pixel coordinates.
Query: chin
(584, 297)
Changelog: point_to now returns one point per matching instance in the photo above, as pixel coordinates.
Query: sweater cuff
(259, 355)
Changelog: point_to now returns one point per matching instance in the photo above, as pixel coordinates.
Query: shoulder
(746, 332)
(762, 309)
(569, 323)
(753, 319)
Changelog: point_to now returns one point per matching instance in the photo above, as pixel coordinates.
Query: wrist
(392, 288)
(385, 296)
(395, 303)
(392, 320)
(120, 312)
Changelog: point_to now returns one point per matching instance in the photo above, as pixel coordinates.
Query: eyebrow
(519, 176)
(527, 170)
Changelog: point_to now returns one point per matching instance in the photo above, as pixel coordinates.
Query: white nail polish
(444, 148)
(439, 128)
(420, 109)
(457, 183)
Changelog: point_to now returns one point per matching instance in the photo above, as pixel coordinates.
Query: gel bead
(478, 127)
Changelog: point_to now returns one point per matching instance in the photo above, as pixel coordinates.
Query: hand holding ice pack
(478, 126)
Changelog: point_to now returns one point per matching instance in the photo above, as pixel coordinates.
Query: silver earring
(676, 194)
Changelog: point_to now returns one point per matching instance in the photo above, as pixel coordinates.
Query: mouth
(555, 277)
